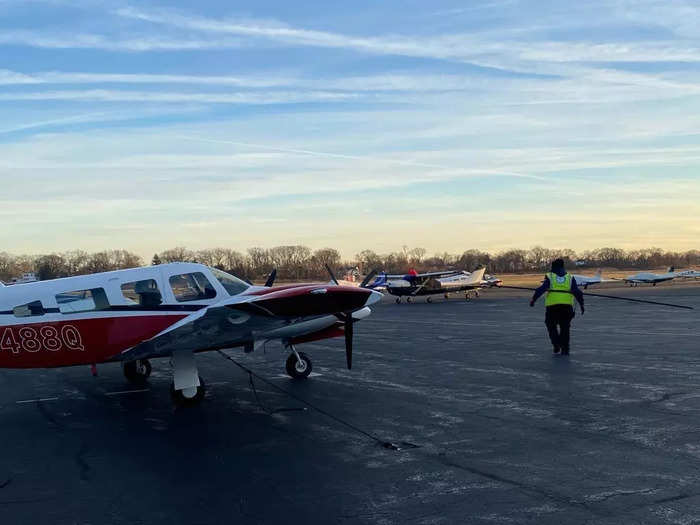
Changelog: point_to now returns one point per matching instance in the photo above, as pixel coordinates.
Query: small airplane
(651, 278)
(584, 281)
(444, 283)
(689, 274)
(172, 310)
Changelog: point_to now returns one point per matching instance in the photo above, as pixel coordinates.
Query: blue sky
(499, 124)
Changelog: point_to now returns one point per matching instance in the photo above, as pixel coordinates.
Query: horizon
(501, 124)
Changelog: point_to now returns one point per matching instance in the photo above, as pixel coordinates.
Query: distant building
(28, 277)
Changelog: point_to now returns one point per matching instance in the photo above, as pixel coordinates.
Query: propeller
(330, 272)
(348, 339)
(271, 278)
(367, 279)
(346, 317)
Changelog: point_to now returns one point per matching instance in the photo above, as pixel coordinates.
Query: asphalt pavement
(490, 427)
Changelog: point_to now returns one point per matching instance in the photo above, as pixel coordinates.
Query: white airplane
(433, 283)
(585, 281)
(172, 310)
(651, 278)
(689, 274)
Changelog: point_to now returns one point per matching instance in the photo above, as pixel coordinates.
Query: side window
(192, 287)
(82, 301)
(29, 309)
(143, 293)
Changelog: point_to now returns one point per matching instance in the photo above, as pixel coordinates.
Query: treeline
(300, 262)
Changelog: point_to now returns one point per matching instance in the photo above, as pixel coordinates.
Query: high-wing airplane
(584, 281)
(434, 283)
(651, 278)
(172, 310)
(688, 274)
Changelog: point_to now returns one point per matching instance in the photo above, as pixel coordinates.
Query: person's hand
(532, 303)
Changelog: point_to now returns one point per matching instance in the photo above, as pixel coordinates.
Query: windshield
(233, 285)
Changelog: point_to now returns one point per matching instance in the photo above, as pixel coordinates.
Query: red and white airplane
(172, 310)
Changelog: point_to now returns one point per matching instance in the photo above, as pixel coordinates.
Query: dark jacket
(578, 294)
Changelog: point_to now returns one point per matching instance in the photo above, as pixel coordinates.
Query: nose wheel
(188, 396)
(299, 365)
(137, 371)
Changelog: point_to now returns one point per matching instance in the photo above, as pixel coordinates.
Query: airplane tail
(477, 276)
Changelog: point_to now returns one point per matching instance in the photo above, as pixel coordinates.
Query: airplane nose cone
(374, 297)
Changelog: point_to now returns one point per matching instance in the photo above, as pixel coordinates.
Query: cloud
(8, 77)
(477, 47)
(101, 95)
(141, 43)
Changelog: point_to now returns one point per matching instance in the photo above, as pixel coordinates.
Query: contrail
(360, 157)
(65, 120)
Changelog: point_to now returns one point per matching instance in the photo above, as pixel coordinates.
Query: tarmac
(492, 429)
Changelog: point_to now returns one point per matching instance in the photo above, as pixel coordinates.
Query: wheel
(429, 300)
(137, 371)
(398, 300)
(476, 293)
(190, 396)
(409, 300)
(447, 296)
(299, 369)
(467, 297)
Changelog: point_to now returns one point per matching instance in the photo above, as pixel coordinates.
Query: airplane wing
(445, 273)
(242, 318)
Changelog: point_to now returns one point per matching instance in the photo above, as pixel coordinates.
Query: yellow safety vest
(557, 285)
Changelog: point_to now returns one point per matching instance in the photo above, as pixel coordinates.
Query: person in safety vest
(561, 290)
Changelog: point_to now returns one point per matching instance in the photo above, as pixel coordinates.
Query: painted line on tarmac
(122, 392)
(36, 400)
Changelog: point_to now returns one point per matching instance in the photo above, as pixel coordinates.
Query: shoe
(565, 352)
(555, 350)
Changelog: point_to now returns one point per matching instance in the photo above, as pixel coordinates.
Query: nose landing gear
(298, 365)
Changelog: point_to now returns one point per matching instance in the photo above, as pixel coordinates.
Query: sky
(446, 125)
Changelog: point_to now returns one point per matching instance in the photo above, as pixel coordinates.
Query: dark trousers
(558, 320)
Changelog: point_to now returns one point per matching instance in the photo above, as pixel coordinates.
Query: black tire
(137, 371)
(409, 300)
(429, 300)
(398, 300)
(301, 371)
(181, 400)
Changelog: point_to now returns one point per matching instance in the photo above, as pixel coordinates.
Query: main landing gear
(299, 364)
(137, 371)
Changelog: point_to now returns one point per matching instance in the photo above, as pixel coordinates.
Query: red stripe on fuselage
(77, 341)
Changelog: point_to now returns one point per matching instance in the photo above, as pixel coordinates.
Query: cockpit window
(192, 287)
(233, 285)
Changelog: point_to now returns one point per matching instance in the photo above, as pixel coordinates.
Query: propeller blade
(335, 281)
(271, 278)
(367, 279)
(348, 340)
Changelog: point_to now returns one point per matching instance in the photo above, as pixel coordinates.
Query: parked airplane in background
(433, 283)
(688, 274)
(651, 278)
(585, 281)
(173, 310)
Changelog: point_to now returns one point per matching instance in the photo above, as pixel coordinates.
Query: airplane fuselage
(95, 318)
